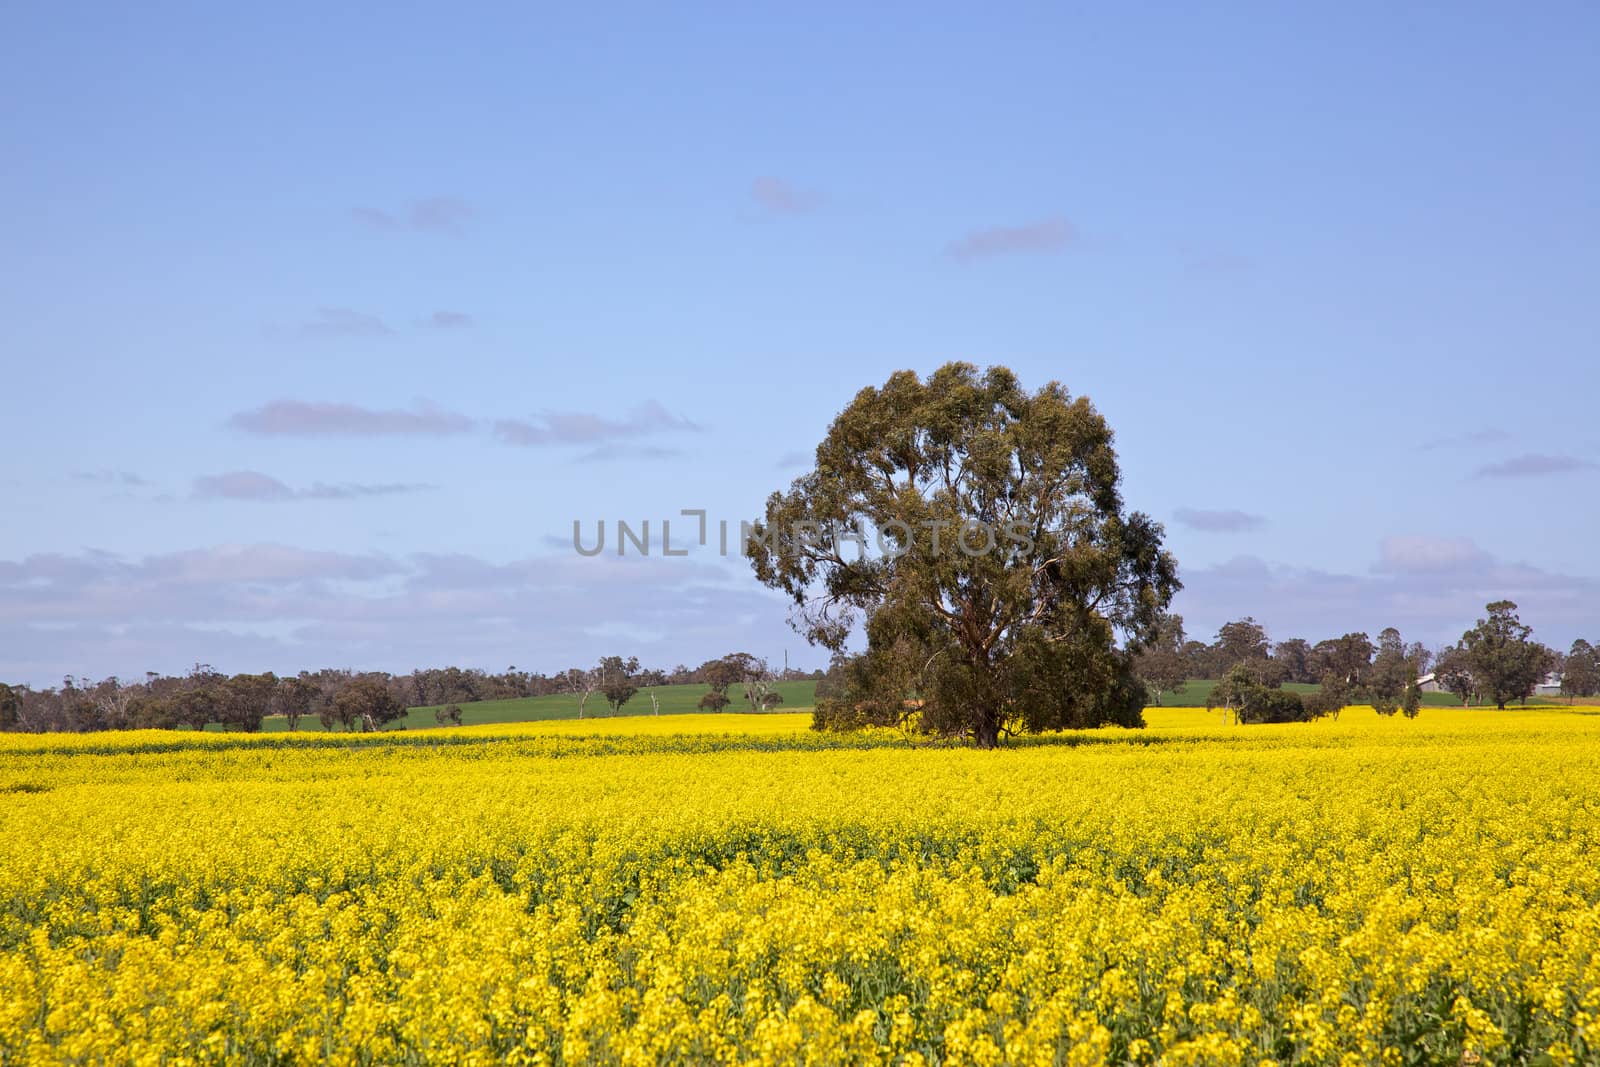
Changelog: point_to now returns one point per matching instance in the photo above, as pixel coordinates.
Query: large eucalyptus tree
(978, 531)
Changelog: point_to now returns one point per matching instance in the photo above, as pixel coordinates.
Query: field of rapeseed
(737, 889)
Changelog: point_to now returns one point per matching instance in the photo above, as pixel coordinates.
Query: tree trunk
(986, 731)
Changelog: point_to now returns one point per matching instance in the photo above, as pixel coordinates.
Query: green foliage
(1505, 662)
(1390, 674)
(1581, 676)
(1036, 631)
(368, 704)
(719, 674)
(1329, 699)
(10, 705)
(619, 680)
(1346, 658)
(1453, 672)
(1255, 699)
(1244, 641)
(245, 699)
(1160, 664)
(1411, 702)
(194, 708)
(294, 699)
(1296, 657)
(755, 678)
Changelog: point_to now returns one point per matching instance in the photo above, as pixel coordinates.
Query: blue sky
(321, 326)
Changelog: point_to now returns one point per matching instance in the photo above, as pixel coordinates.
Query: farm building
(1551, 686)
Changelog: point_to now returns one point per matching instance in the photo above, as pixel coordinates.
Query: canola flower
(736, 889)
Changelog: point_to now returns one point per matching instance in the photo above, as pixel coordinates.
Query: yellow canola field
(737, 889)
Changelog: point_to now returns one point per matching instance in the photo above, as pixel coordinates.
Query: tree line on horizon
(1497, 662)
(354, 700)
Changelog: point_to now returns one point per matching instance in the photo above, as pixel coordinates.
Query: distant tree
(1244, 641)
(757, 681)
(328, 682)
(832, 684)
(1200, 660)
(1031, 632)
(1581, 674)
(618, 680)
(448, 716)
(194, 708)
(1253, 699)
(1411, 700)
(113, 702)
(1160, 665)
(771, 700)
(1347, 658)
(366, 702)
(581, 683)
(720, 674)
(1452, 670)
(76, 706)
(149, 712)
(1506, 663)
(713, 701)
(10, 705)
(245, 699)
(1392, 673)
(1295, 657)
(294, 699)
(199, 702)
(1273, 671)
(1328, 699)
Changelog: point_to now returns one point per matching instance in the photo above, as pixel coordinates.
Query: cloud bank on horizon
(273, 606)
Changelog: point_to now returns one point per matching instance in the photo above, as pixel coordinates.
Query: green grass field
(684, 699)
(675, 700)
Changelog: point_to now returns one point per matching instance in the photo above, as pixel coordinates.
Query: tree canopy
(1160, 663)
(1581, 676)
(619, 680)
(367, 703)
(1255, 698)
(1009, 590)
(1506, 663)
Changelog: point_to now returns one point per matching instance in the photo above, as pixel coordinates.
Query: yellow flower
(724, 889)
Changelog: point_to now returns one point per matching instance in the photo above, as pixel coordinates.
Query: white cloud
(257, 607)
(253, 485)
(587, 428)
(303, 418)
(1045, 235)
(1207, 520)
(1432, 589)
